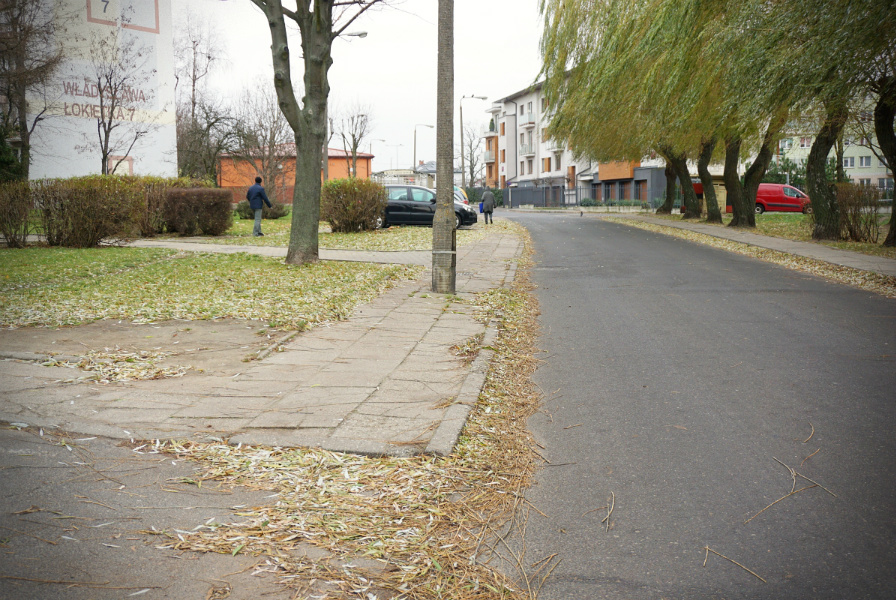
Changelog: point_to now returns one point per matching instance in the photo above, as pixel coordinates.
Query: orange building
(238, 173)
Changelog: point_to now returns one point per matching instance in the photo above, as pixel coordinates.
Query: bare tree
(203, 138)
(119, 80)
(353, 129)
(471, 150)
(30, 58)
(318, 27)
(263, 136)
(205, 128)
(197, 51)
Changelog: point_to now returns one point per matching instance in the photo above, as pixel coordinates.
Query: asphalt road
(675, 375)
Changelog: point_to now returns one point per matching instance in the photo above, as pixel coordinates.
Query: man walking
(488, 206)
(256, 196)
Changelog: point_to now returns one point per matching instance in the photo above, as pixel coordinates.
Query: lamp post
(415, 143)
(463, 172)
(325, 151)
(397, 146)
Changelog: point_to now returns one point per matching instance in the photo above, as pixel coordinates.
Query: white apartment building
(520, 156)
(859, 162)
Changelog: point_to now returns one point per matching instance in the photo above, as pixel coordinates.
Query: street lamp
(415, 147)
(463, 172)
(397, 146)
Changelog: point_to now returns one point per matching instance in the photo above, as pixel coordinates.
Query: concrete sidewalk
(384, 382)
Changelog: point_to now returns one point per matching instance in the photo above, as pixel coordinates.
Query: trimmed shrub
(858, 206)
(15, 212)
(275, 212)
(351, 205)
(155, 191)
(189, 211)
(84, 211)
(588, 202)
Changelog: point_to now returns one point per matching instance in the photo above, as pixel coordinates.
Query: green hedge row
(351, 205)
(81, 212)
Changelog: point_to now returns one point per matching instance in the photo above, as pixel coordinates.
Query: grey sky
(392, 70)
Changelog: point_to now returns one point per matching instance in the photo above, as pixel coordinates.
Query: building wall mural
(115, 90)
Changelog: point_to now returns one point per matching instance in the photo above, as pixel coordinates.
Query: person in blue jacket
(256, 195)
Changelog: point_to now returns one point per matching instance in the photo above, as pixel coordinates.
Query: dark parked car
(415, 205)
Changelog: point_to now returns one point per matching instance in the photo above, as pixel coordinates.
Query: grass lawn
(393, 239)
(60, 286)
(797, 226)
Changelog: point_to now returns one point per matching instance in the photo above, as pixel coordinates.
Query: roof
(288, 150)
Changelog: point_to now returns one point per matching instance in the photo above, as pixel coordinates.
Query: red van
(777, 196)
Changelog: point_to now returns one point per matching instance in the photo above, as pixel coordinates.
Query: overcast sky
(393, 69)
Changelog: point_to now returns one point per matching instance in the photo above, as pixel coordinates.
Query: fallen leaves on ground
(107, 366)
(392, 239)
(156, 286)
(427, 524)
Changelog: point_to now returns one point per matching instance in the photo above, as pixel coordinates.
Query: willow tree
(320, 22)
(633, 77)
(813, 54)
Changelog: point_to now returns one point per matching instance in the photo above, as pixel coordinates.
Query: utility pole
(444, 234)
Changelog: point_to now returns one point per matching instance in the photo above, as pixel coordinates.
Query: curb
(448, 432)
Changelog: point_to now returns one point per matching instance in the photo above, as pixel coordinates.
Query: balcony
(555, 146)
(527, 149)
(527, 120)
(489, 156)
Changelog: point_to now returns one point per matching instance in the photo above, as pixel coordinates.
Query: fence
(558, 197)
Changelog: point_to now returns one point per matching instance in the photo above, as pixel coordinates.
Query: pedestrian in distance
(256, 196)
(488, 206)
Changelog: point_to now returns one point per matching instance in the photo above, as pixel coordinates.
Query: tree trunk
(742, 216)
(666, 208)
(841, 173)
(826, 215)
(444, 235)
(884, 114)
(713, 215)
(756, 172)
(689, 197)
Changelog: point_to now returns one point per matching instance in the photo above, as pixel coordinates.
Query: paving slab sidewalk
(384, 382)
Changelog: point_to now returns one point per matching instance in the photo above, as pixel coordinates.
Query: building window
(805, 142)
(502, 156)
(849, 162)
(522, 139)
(557, 162)
(521, 109)
(786, 144)
(530, 166)
(864, 142)
(546, 165)
(502, 128)
(865, 181)
(864, 161)
(522, 168)
(885, 183)
(530, 108)
(544, 104)
(847, 142)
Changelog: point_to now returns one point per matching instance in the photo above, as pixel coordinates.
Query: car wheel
(457, 221)
(759, 209)
(807, 210)
(380, 223)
